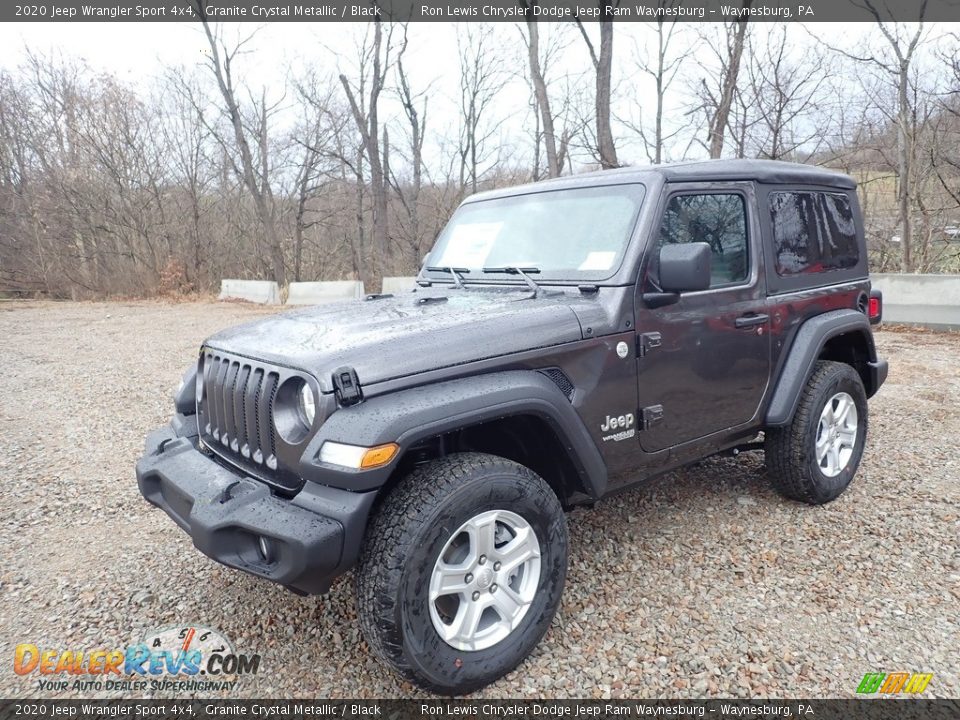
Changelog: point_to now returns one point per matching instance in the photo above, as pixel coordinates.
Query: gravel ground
(701, 583)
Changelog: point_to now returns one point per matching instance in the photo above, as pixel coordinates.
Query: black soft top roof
(774, 172)
(765, 171)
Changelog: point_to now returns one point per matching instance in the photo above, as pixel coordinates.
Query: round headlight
(308, 409)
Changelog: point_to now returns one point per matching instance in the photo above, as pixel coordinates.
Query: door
(705, 359)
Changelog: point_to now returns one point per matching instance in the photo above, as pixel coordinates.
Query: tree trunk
(222, 72)
(298, 225)
(368, 124)
(718, 124)
(605, 146)
(904, 142)
(658, 130)
(543, 99)
(380, 209)
(359, 265)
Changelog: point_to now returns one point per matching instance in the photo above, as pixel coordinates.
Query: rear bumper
(309, 539)
(878, 374)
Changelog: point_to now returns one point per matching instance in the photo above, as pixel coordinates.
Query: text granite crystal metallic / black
(566, 340)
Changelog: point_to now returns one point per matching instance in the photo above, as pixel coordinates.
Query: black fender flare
(807, 345)
(185, 399)
(409, 416)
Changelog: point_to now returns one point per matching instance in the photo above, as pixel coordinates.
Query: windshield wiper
(455, 273)
(521, 271)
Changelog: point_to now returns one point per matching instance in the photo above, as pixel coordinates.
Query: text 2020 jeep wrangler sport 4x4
(566, 339)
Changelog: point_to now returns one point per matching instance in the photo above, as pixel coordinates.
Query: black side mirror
(685, 267)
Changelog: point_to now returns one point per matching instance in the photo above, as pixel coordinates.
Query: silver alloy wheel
(836, 434)
(484, 580)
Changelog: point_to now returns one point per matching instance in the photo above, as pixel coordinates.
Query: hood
(393, 337)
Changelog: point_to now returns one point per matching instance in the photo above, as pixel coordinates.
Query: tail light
(875, 307)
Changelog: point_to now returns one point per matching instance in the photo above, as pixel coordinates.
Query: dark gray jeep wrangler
(566, 340)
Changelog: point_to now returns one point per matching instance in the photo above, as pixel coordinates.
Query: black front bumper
(310, 539)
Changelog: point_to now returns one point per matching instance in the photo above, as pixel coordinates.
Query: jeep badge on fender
(624, 422)
(431, 442)
(612, 423)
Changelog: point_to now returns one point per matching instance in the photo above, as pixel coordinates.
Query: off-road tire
(403, 541)
(790, 451)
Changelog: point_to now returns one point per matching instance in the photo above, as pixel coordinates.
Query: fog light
(266, 548)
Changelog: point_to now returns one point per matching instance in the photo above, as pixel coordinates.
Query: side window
(719, 219)
(813, 232)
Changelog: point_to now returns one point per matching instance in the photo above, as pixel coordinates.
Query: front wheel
(814, 458)
(462, 571)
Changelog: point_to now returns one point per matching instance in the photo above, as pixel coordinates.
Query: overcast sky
(137, 52)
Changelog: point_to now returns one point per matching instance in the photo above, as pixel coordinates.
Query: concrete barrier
(318, 293)
(397, 285)
(265, 292)
(927, 300)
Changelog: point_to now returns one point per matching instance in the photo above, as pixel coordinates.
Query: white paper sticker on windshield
(598, 260)
(469, 245)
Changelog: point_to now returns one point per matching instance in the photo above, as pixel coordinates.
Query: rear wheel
(462, 571)
(814, 458)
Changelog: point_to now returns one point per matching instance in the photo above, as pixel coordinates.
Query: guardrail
(931, 301)
(396, 285)
(318, 293)
(265, 292)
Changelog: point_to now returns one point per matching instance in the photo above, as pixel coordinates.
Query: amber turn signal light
(379, 455)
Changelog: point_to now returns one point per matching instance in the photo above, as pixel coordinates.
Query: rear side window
(813, 232)
(719, 219)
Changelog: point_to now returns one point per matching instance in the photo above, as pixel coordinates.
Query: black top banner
(481, 11)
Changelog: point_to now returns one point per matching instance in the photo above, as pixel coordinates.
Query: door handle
(745, 321)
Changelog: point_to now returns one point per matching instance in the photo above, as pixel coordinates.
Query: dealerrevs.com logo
(894, 683)
(178, 657)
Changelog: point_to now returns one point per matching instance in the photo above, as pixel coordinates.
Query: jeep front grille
(235, 412)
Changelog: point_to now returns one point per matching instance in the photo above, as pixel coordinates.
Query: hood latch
(346, 386)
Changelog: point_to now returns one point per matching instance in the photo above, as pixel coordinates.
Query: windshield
(578, 234)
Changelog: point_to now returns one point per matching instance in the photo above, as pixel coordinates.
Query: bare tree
(25, 262)
(554, 161)
(903, 49)
(717, 99)
(254, 171)
(112, 187)
(783, 98)
(903, 41)
(415, 112)
(189, 140)
(606, 150)
(482, 78)
(311, 137)
(662, 68)
(946, 164)
(364, 100)
(342, 176)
